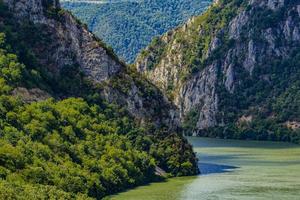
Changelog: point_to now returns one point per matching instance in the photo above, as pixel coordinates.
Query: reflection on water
(211, 168)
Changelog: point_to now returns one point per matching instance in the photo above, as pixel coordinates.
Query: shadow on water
(211, 168)
(201, 142)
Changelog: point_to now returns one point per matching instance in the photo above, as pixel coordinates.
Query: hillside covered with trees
(59, 139)
(128, 27)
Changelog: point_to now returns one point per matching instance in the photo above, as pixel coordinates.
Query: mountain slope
(71, 57)
(234, 71)
(129, 26)
(76, 122)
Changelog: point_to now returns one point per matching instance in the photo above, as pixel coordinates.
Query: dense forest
(60, 140)
(130, 26)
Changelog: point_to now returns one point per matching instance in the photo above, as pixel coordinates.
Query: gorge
(76, 122)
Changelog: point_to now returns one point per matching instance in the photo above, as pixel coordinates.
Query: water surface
(231, 169)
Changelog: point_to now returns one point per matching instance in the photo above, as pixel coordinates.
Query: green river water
(232, 170)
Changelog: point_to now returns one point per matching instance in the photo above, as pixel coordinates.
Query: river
(232, 170)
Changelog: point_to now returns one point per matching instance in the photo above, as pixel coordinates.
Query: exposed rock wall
(70, 43)
(252, 44)
(200, 93)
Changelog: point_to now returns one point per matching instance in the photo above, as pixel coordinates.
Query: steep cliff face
(232, 61)
(71, 43)
(61, 43)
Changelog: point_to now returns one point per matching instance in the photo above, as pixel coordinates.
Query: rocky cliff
(61, 43)
(70, 43)
(234, 61)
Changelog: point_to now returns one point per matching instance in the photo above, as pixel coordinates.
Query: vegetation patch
(75, 144)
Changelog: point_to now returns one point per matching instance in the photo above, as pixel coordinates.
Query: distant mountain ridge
(130, 26)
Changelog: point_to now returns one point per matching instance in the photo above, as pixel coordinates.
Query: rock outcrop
(71, 43)
(214, 60)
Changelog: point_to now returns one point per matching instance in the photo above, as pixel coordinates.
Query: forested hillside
(130, 26)
(60, 138)
(234, 71)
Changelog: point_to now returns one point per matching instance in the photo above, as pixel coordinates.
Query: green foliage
(72, 146)
(258, 129)
(194, 45)
(157, 49)
(10, 69)
(18, 191)
(69, 148)
(210, 23)
(287, 105)
(266, 18)
(172, 151)
(69, 144)
(272, 103)
(130, 26)
(190, 121)
(155, 107)
(269, 95)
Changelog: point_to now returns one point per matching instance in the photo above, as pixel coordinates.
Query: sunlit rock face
(254, 44)
(71, 43)
(34, 10)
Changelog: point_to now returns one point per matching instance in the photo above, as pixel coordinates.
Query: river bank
(232, 169)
